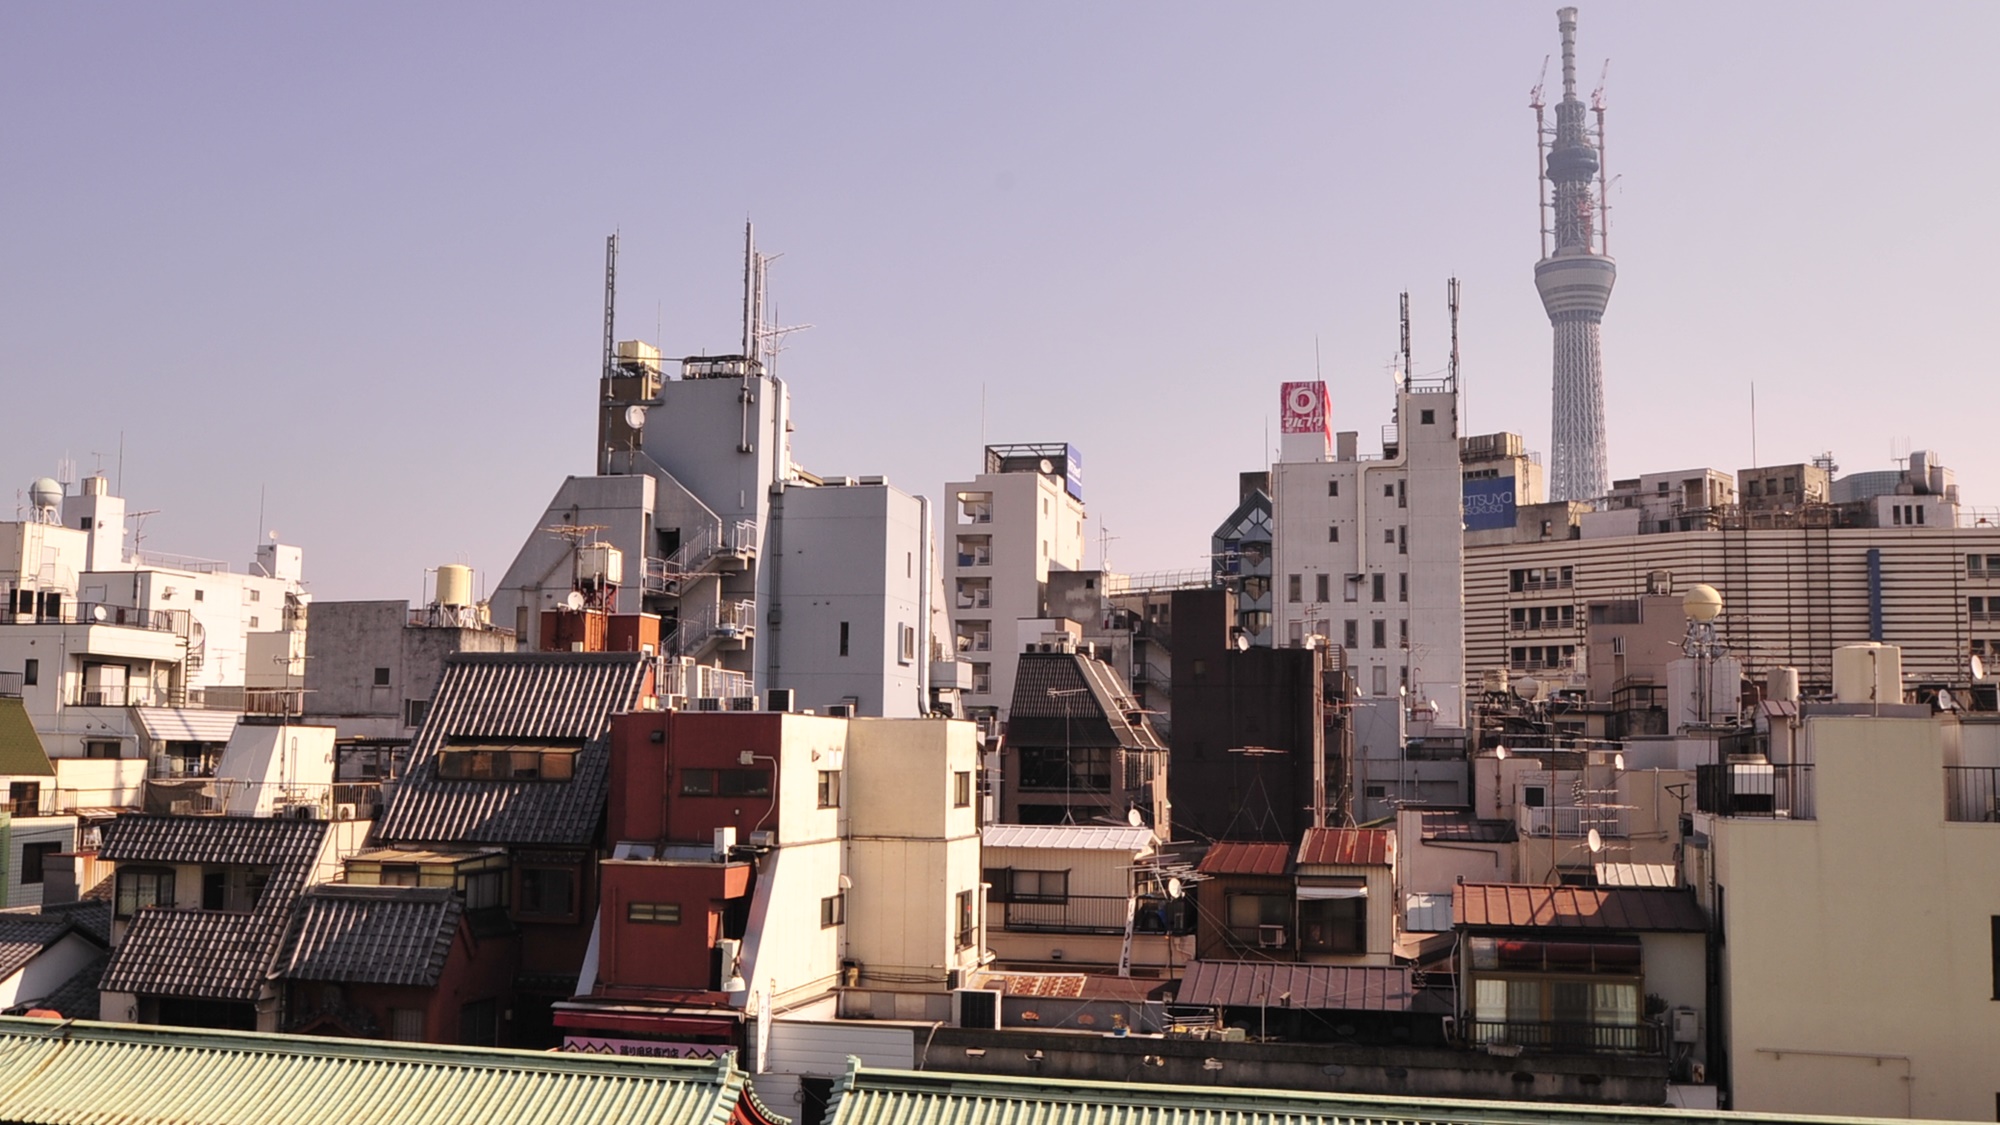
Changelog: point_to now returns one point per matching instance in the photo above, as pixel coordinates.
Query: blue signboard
(1489, 504)
(1073, 474)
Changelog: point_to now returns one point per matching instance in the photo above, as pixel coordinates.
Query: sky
(342, 264)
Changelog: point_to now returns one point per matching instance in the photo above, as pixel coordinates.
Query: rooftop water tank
(600, 563)
(1783, 686)
(1868, 673)
(454, 585)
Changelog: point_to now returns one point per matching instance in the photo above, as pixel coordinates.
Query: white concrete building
(1369, 553)
(1011, 525)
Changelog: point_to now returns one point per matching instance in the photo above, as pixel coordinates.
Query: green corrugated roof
(60, 1073)
(21, 753)
(866, 1096)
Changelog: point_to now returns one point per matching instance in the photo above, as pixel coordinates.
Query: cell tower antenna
(1404, 317)
(1603, 168)
(749, 288)
(1451, 301)
(610, 298)
(1541, 146)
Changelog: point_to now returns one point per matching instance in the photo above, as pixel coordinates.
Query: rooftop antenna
(1541, 147)
(749, 288)
(1405, 318)
(1603, 175)
(770, 336)
(610, 298)
(1451, 301)
(66, 471)
(121, 462)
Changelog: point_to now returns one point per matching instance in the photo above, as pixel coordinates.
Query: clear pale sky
(351, 255)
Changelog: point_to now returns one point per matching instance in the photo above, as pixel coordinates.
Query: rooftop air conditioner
(779, 699)
(742, 703)
(976, 1007)
(345, 811)
(708, 703)
(677, 702)
(1270, 937)
(839, 710)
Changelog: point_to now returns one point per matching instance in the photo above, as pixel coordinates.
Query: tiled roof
(24, 936)
(1519, 906)
(76, 997)
(21, 751)
(371, 935)
(1347, 847)
(566, 696)
(1081, 837)
(1066, 698)
(209, 954)
(89, 1071)
(1320, 988)
(1235, 857)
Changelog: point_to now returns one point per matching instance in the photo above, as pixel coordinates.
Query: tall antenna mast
(1541, 148)
(1603, 173)
(1451, 300)
(610, 298)
(1404, 316)
(749, 288)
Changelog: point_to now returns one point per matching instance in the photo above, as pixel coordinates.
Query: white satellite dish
(1175, 889)
(1978, 668)
(575, 600)
(1133, 818)
(1618, 762)
(635, 417)
(99, 613)
(1595, 842)
(1047, 466)
(1945, 701)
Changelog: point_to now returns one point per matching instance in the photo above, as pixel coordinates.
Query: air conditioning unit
(708, 703)
(732, 952)
(764, 838)
(779, 699)
(300, 811)
(742, 703)
(839, 710)
(1686, 1025)
(677, 702)
(1270, 937)
(345, 811)
(976, 1007)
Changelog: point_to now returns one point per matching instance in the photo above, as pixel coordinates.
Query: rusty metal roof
(1520, 906)
(1348, 847)
(1241, 857)
(1320, 988)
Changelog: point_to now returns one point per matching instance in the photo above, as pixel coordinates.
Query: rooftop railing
(1972, 794)
(1756, 789)
(97, 613)
(1564, 1036)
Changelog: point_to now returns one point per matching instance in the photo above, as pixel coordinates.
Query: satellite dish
(635, 417)
(575, 600)
(1175, 889)
(1618, 762)
(99, 613)
(1500, 752)
(1528, 687)
(1978, 668)
(1133, 818)
(1048, 466)
(1595, 842)
(1243, 645)
(1945, 701)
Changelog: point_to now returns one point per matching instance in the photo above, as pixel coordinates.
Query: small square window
(1427, 417)
(961, 789)
(200, 595)
(829, 789)
(832, 910)
(381, 677)
(654, 913)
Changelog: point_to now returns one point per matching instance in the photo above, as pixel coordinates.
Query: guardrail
(97, 613)
(1972, 794)
(1755, 789)
(1570, 822)
(218, 796)
(1586, 1038)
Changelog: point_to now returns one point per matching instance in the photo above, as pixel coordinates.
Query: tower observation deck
(1575, 279)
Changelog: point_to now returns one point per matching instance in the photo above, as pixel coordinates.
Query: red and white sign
(1303, 408)
(644, 1048)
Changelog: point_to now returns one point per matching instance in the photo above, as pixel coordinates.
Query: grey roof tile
(526, 696)
(1068, 699)
(371, 935)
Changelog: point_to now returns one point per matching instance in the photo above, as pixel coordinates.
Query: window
(382, 680)
(1038, 886)
(1388, 535)
(1375, 792)
(214, 890)
(654, 913)
(31, 672)
(200, 595)
(1403, 539)
(484, 890)
(401, 875)
(1389, 491)
(507, 763)
(1333, 488)
(547, 892)
(968, 919)
(961, 789)
(829, 789)
(906, 650)
(256, 595)
(1402, 495)
(1403, 587)
(1534, 796)
(1378, 588)
(1352, 589)
(1320, 586)
(479, 1024)
(141, 887)
(406, 1025)
(35, 861)
(1333, 533)
(1378, 632)
(254, 623)
(1427, 417)
(725, 783)
(1261, 920)
(1294, 588)
(1054, 767)
(1403, 632)
(843, 638)
(25, 797)
(1337, 924)
(415, 711)
(1973, 565)
(1351, 633)
(832, 910)
(1996, 956)
(1380, 679)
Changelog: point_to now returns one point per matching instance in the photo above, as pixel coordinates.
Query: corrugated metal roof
(566, 696)
(209, 954)
(1241, 857)
(1082, 837)
(93, 1072)
(21, 750)
(1427, 912)
(1519, 906)
(1347, 847)
(178, 724)
(1638, 875)
(1318, 988)
(371, 935)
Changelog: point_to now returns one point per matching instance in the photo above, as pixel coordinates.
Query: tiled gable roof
(371, 935)
(554, 697)
(277, 841)
(1372, 988)
(24, 936)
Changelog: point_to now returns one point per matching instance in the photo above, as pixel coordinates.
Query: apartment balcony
(975, 642)
(1755, 789)
(975, 599)
(1570, 1037)
(220, 796)
(1972, 794)
(12, 684)
(96, 613)
(1088, 914)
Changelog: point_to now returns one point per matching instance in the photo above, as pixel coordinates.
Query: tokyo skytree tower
(1575, 279)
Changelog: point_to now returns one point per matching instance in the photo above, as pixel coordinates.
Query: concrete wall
(853, 555)
(820, 1049)
(1858, 947)
(348, 641)
(58, 830)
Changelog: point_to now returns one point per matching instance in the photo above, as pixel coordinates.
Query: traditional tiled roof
(1236, 857)
(545, 697)
(1080, 837)
(1347, 847)
(24, 936)
(88, 1071)
(209, 954)
(76, 997)
(1520, 906)
(21, 751)
(1068, 699)
(371, 935)
(1363, 988)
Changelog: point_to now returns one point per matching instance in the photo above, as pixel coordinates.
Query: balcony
(96, 613)
(1972, 794)
(218, 796)
(1755, 789)
(1571, 1038)
(1088, 914)
(1570, 822)
(975, 642)
(12, 684)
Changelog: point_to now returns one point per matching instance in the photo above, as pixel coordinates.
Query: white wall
(49, 970)
(852, 554)
(821, 1049)
(1036, 526)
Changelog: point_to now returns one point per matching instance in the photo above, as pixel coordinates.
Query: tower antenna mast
(1404, 316)
(1451, 301)
(610, 298)
(1603, 166)
(1541, 148)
